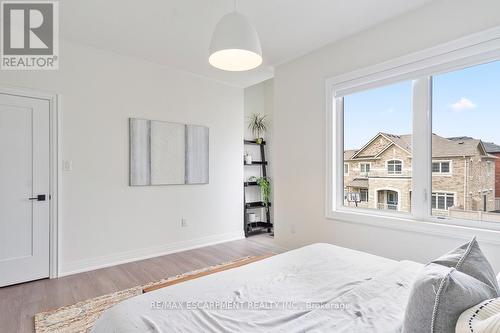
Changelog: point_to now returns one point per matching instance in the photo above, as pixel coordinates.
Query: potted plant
(265, 188)
(258, 125)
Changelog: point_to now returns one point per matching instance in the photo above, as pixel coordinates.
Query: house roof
(349, 153)
(394, 139)
(358, 182)
(489, 146)
(441, 147)
(403, 141)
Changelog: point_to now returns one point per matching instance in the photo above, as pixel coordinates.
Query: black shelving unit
(257, 227)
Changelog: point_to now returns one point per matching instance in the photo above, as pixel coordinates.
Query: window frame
(418, 67)
(446, 194)
(394, 173)
(440, 172)
(364, 190)
(346, 167)
(361, 164)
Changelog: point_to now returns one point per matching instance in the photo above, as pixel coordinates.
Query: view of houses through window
(465, 146)
(466, 143)
(377, 154)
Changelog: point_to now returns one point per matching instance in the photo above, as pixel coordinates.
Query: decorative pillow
(469, 259)
(482, 318)
(439, 296)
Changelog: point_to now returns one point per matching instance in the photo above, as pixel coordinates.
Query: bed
(320, 287)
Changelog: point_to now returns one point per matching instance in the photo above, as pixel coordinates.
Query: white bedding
(358, 292)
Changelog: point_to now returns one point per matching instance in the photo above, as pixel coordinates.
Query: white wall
(104, 220)
(259, 98)
(300, 130)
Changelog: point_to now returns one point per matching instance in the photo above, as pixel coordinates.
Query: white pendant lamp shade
(235, 45)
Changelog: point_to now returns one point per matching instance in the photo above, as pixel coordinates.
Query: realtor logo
(29, 36)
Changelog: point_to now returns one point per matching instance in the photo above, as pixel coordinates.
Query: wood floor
(19, 303)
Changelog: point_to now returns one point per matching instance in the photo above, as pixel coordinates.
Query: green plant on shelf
(258, 125)
(265, 188)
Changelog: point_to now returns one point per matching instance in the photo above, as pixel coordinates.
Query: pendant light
(235, 45)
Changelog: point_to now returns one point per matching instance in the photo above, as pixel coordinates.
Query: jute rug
(81, 317)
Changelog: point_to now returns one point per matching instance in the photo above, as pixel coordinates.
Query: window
(364, 167)
(394, 167)
(441, 167)
(346, 169)
(443, 201)
(465, 122)
(445, 167)
(377, 134)
(419, 126)
(364, 194)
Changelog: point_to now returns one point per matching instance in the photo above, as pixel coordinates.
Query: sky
(464, 103)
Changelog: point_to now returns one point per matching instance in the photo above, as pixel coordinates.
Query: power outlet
(184, 223)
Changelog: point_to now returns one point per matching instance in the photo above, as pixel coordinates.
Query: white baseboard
(144, 253)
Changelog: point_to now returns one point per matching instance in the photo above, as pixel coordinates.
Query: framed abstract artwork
(166, 153)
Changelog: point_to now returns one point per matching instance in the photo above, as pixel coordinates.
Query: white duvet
(317, 288)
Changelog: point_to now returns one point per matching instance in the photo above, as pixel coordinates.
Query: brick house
(379, 175)
(492, 149)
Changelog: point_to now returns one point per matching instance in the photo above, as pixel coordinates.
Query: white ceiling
(177, 33)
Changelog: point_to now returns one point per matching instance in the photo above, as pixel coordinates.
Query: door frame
(396, 194)
(54, 100)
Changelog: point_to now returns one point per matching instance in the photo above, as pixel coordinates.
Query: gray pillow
(469, 259)
(439, 296)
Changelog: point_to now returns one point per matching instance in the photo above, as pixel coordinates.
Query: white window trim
(367, 194)
(440, 173)
(445, 192)
(387, 167)
(467, 51)
(366, 163)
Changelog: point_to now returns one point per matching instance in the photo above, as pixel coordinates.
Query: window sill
(457, 229)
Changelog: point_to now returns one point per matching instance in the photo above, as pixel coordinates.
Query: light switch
(67, 165)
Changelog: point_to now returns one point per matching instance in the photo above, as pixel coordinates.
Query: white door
(24, 189)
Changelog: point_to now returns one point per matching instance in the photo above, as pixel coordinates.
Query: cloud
(463, 104)
(387, 111)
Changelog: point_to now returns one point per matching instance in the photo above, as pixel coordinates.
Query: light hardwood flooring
(19, 303)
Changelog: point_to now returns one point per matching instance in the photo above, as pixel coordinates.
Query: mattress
(317, 288)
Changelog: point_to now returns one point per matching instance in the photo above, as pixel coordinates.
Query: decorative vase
(248, 159)
(252, 217)
(259, 141)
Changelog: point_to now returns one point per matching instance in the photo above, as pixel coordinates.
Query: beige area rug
(81, 317)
